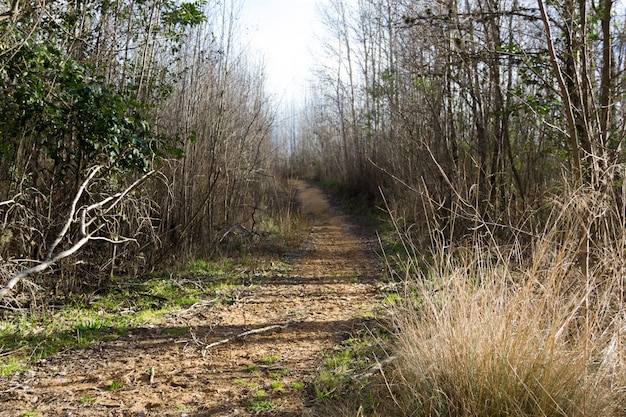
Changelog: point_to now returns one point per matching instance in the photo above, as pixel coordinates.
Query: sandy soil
(180, 368)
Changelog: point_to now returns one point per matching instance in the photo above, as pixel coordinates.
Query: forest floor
(253, 356)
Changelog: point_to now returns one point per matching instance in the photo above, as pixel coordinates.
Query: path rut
(196, 365)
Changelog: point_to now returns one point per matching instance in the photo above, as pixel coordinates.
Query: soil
(201, 362)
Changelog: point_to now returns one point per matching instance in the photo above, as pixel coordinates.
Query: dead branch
(70, 217)
(85, 217)
(247, 333)
(7, 202)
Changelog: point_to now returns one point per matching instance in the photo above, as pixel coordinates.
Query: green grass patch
(261, 393)
(251, 368)
(187, 301)
(368, 315)
(114, 386)
(278, 373)
(12, 364)
(277, 386)
(392, 299)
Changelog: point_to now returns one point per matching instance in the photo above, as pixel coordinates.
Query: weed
(271, 359)
(214, 269)
(259, 406)
(392, 299)
(278, 373)
(240, 382)
(85, 399)
(12, 365)
(259, 394)
(114, 386)
(297, 385)
(368, 315)
(187, 301)
(33, 413)
(277, 386)
(251, 368)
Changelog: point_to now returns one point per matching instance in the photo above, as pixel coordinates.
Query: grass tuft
(271, 359)
(531, 328)
(260, 406)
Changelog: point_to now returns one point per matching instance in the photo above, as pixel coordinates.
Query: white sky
(283, 32)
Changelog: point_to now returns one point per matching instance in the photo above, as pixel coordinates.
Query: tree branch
(70, 217)
(86, 218)
(12, 12)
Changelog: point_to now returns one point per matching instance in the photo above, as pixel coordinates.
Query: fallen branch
(200, 304)
(85, 217)
(247, 333)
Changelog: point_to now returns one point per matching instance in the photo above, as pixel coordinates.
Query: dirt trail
(171, 370)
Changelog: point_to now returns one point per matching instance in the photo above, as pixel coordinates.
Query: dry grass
(484, 333)
(487, 330)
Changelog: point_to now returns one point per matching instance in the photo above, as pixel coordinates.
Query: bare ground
(201, 362)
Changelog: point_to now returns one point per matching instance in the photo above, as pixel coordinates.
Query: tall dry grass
(531, 328)
(538, 330)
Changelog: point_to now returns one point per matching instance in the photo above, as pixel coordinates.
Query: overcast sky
(283, 32)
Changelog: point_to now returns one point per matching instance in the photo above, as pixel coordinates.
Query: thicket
(133, 135)
(487, 103)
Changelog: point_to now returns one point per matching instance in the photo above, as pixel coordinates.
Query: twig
(262, 330)
(377, 367)
(220, 342)
(4, 203)
(12, 13)
(247, 333)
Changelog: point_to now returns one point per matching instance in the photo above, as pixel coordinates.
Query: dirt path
(172, 369)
